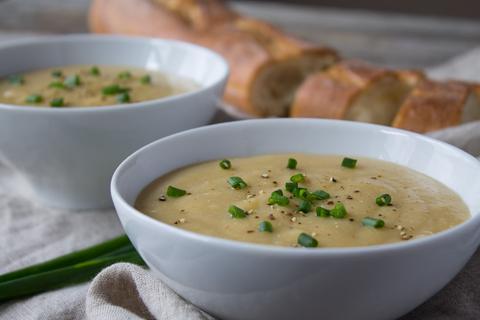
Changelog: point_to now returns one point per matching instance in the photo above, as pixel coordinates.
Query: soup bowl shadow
(68, 155)
(236, 280)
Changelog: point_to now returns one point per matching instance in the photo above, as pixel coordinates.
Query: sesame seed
(182, 220)
(162, 198)
(271, 216)
(293, 219)
(332, 179)
(264, 175)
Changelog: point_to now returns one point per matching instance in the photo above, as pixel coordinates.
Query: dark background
(448, 8)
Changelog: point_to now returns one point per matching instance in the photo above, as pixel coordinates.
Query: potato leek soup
(303, 200)
(86, 86)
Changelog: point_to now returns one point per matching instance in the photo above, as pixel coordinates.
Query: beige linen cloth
(30, 233)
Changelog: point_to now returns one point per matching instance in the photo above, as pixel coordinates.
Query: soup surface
(334, 203)
(86, 86)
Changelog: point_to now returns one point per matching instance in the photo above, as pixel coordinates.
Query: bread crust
(432, 105)
(250, 46)
(330, 94)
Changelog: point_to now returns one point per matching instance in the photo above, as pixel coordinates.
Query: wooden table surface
(386, 39)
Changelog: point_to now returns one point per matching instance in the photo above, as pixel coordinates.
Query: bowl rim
(118, 200)
(127, 40)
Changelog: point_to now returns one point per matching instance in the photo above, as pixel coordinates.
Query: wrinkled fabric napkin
(31, 233)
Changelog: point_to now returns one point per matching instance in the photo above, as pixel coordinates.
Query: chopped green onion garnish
(383, 200)
(291, 186)
(338, 211)
(305, 206)
(301, 193)
(372, 222)
(72, 81)
(237, 183)
(56, 85)
(349, 163)
(265, 226)
(94, 71)
(146, 79)
(123, 97)
(34, 98)
(225, 164)
(292, 163)
(124, 75)
(322, 212)
(307, 241)
(237, 212)
(297, 178)
(277, 197)
(57, 73)
(318, 195)
(114, 89)
(175, 192)
(16, 80)
(57, 102)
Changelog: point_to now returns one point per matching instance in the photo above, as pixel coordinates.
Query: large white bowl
(235, 280)
(69, 155)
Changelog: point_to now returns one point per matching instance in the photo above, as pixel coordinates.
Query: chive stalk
(373, 222)
(305, 206)
(292, 163)
(57, 102)
(338, 211)
(265, 226)
(237, 183)
(383, 200)
(175, 192)
(277, 197)
(34, 98)
(307, 241)
(349, 163)
(322, 212)
(236, 212)
(297, 178)
(225, 164)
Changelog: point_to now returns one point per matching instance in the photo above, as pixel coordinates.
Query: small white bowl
(235, 280)
(68, 155)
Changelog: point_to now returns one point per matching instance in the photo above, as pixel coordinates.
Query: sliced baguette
(434, 105)
(266, 65)
(352, 90)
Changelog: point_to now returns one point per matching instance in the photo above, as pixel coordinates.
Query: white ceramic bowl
(69, 155)
(235, 280)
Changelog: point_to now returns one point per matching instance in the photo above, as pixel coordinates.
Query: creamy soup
(86, 86)
(324, 201)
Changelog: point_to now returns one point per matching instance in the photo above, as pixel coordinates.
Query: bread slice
(352, 90)
(266, 65)
(434, 105)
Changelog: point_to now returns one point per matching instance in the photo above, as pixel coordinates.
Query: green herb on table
(292, 163)
(123, 97)
(114, 89)
(307, 241)
(338, 211)
(265, 226)
(73, 268)
(277, 197)
(16, 80)
(72, 81)
(95, 71)
(146, 79)
(225, 164)
(124, 75)
(373, 222)
(236, 212)
(175, 192)
(57, 73)
(237, 183)
(297, 178)
(349, 163)
(57, 85)
(383, 200)
(322, 212)
(57, 102)
(34, 98)
(305, 206)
